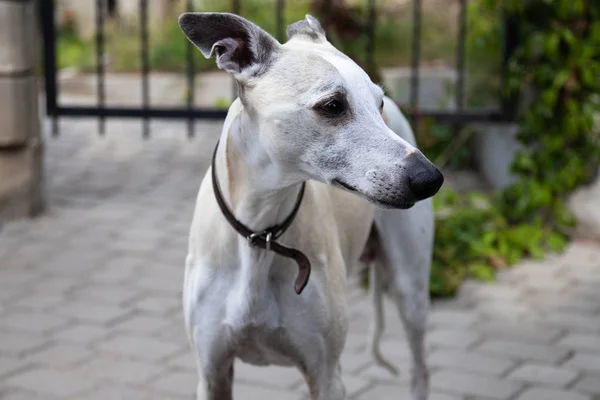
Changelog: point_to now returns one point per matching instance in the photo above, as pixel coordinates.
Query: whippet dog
(306, 174)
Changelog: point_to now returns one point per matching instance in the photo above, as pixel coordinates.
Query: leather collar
(266, 239)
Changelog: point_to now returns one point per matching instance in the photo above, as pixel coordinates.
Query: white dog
(305, 159)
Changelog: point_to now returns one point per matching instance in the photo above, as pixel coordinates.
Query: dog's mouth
(389, 204)
(345, 185)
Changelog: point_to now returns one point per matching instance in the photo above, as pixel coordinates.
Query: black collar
(266, 239)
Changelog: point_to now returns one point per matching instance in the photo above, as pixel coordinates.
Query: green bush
(558, 63)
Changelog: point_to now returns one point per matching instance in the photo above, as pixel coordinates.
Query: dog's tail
(378, 323)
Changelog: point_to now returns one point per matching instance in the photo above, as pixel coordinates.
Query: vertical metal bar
(416, 58)
(50, 78)
(234, 86)
(145, 67)
(460, 55)
(370, 45)
(191, 72)
(460, 60)
(100, 61)
(280, 6)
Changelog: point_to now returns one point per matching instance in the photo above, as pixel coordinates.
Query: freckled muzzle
(404, 184)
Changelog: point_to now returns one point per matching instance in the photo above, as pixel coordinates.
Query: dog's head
(317, 113)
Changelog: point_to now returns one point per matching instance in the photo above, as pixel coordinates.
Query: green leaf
(556, 242)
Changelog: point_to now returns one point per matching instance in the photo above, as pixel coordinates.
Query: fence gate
(189, 112)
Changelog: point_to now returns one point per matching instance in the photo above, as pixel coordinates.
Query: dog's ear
(308, 28)
(239, 45)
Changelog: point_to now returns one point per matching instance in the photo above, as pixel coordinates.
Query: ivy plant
(554, 74)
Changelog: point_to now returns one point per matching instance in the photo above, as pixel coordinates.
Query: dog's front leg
(407, 242)
(326, 383)
(214, 360)
(216, 384)
(203, 312)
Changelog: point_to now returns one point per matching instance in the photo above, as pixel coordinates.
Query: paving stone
(551, 394)
(447, 318)
(142, 324)
(178, 383)
(580, 341)
(174, 332)
(387, 391)
(276, 377)
(518, 331)
(117, 270)
(470, 362)
(355, 343)
(122, 370)
(56, 286)
(553, 303)
(33, 322)
(184, 361)
(143, 348)
(10, 365)
(523, 351)
(245, 391)
(400, 392)
(467, 384)
(19, 343)
(156, 304)
(82, 333)
(20, 394)
(15, 277)
(60, 355)
(589, 383)
(354, 385)
(381, 375)
(572, 321)
(172, 285)
(109, 294)
(506, 310)
(73, 262)
(585, 362)
(51, 382)
(90, 312)
(353, 362)
(117, 392)
(453, 338)
(543, 374)
(40, 303)
(496, 292)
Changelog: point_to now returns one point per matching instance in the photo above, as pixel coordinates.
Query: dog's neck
(253, 186)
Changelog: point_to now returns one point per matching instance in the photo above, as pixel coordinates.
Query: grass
(168, 47)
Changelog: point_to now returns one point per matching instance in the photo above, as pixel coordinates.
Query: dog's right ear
(241, 48)
(309, 28)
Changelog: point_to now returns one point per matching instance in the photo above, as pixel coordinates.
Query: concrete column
(20, 141)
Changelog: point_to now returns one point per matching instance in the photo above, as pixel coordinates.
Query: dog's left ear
(241, 48)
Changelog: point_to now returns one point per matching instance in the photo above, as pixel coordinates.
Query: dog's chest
(261, 345)
(261, 336)
(267, 328)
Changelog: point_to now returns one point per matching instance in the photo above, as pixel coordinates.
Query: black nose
(424, 178)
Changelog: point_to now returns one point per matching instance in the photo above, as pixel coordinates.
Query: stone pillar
(20, 141)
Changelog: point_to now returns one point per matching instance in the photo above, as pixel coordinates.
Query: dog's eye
(333, 107)
(381, 106)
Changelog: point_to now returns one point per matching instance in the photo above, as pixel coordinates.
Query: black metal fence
(189, 112)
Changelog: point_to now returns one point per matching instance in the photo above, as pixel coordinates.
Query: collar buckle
(267, 234)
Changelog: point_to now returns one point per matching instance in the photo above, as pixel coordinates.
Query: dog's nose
(424, 178)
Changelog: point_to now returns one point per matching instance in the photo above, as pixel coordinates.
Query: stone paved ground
(89, 295)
